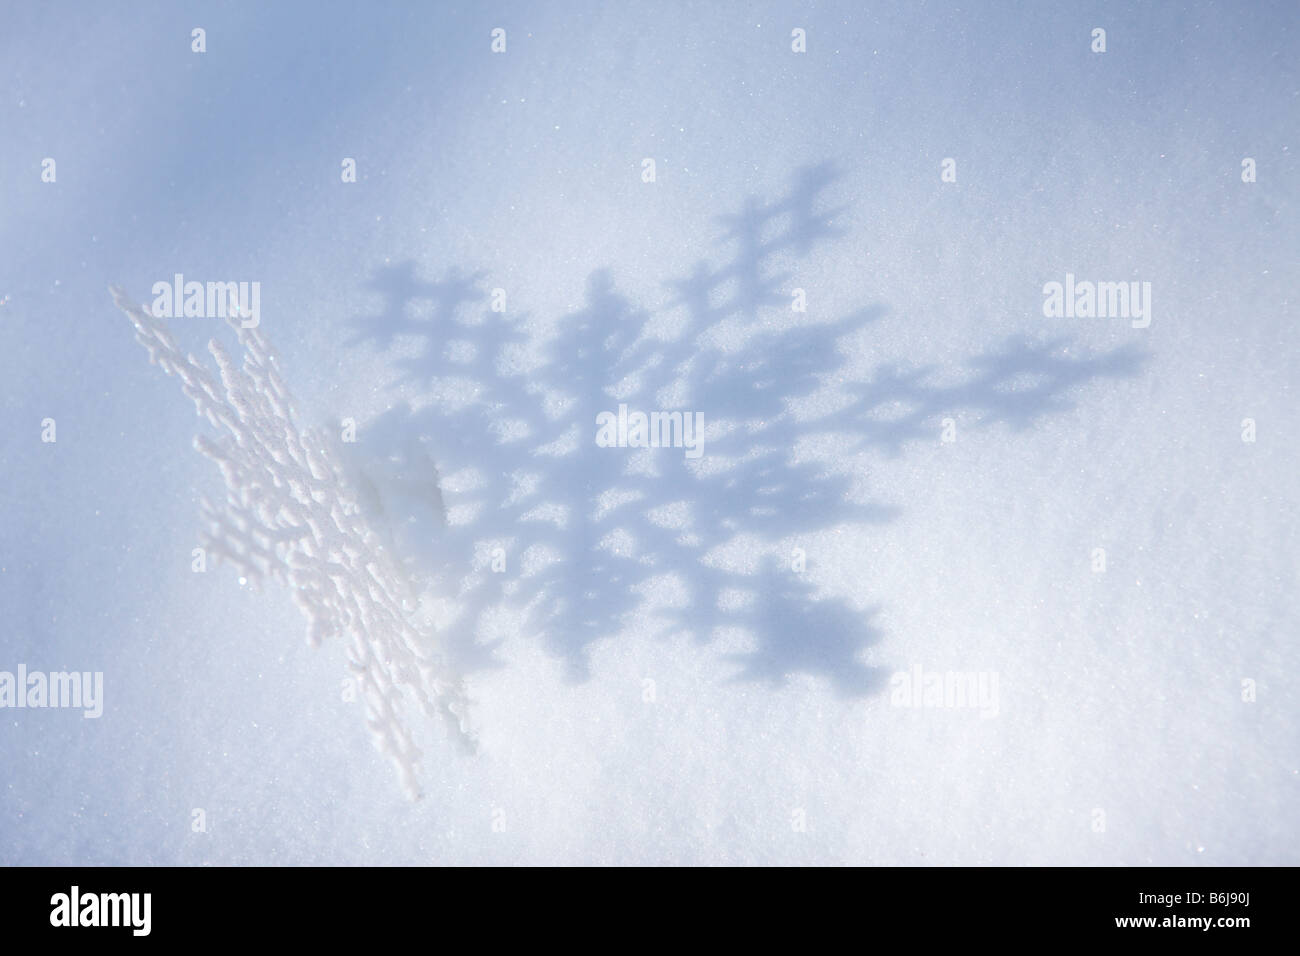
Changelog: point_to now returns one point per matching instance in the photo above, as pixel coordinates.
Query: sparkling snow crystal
(290, 515)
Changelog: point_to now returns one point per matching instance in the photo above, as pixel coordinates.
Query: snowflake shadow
(579, 541)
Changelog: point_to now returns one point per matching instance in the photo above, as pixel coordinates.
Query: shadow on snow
(590, 536)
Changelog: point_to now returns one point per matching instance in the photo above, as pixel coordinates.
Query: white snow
(683, 660)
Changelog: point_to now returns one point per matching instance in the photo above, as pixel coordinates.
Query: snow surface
(652, 682)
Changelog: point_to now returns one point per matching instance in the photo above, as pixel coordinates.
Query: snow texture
(954, 579)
